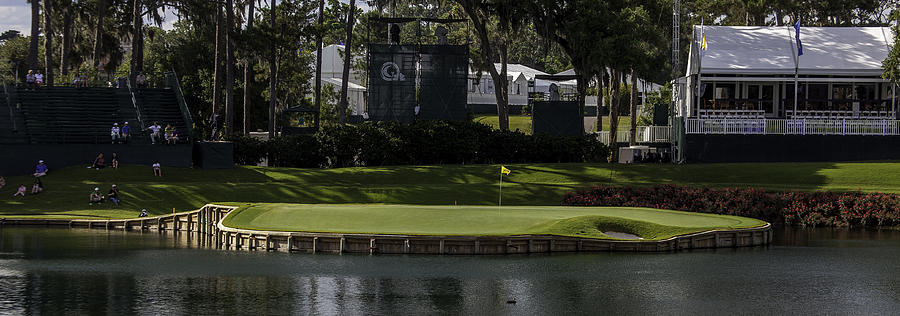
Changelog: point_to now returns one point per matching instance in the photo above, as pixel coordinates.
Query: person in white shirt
(114, 133)
(156, 169)
(154, 132)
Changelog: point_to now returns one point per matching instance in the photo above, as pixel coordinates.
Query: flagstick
(500, 200)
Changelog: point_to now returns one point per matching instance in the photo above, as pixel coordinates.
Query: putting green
(588, 222)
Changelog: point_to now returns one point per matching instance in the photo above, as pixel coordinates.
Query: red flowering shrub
(791, 207)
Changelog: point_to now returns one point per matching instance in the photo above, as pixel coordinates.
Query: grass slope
(523, 122)
(478, 220)
(536, 184)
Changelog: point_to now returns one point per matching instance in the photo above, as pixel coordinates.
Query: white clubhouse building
(744, 82)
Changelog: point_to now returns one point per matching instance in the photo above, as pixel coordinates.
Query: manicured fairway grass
(478, 220)
(523, 122)
(520, 122)
(185, 189)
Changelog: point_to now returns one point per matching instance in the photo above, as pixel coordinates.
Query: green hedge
(421, 143)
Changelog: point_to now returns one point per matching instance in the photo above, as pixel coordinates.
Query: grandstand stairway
(161, 105)
(85, 115)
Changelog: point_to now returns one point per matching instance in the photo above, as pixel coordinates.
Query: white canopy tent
(759, 50)
(750, 79)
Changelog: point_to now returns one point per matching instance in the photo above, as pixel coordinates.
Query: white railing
(793, 126)
(732, 113)
(868, 115)
(645, 134)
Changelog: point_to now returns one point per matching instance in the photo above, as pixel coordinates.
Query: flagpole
(796, 49)
(500, 199)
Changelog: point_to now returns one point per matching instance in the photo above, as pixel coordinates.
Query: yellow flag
(503, 170)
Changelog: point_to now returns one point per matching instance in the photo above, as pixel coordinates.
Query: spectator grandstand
(68, 115)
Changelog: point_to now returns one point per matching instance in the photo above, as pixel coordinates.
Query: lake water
(812, 271)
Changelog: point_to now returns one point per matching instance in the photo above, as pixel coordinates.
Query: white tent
(759, 50)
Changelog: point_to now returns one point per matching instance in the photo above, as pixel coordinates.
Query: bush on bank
(834, 209)
(420, 143)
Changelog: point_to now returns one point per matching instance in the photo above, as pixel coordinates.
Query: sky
(16, 15)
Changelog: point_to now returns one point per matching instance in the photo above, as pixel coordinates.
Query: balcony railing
(645, 134)
(817, 126)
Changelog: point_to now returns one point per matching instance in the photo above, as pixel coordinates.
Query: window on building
(725, 95)
(816, 96)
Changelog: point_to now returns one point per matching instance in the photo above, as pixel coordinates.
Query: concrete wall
(790, 148)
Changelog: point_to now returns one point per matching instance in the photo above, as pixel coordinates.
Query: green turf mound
(589, 222)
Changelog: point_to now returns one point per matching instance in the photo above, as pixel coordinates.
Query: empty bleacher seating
(84, 115)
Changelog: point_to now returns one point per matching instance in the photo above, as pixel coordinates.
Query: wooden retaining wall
(207, 224)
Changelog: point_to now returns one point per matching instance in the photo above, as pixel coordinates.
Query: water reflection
(816, 271)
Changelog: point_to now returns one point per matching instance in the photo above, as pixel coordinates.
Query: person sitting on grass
(96, 196)
(157, 172)
(21, 191)
(99, 162)
(114, 161)
(113, 195)
(41, 169)
(37, 187)
(144, 213)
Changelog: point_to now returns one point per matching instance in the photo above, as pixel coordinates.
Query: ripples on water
(815, 271)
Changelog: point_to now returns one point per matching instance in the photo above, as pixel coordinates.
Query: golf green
(591, 222)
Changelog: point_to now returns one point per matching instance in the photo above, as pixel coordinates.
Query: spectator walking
(84, 79)
(154, 132)
(157, 171)
(114, 161)
(113, 195)
(38, 79)
(115, 134)
(29, 80)
(125, 133)
(76, 80)
(96, 196)
(2, 182)
(99, 162)
(21, 191)
(41, 169)
(37, 187)
(141, 81)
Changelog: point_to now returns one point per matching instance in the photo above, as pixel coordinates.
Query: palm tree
(319, 31)
(248, 72)
(48, 43)
(98, 36)
(345, 76)
(273, 74)
(229, 67)
(35, 29)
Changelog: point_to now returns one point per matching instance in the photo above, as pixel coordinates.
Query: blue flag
(799, 44)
